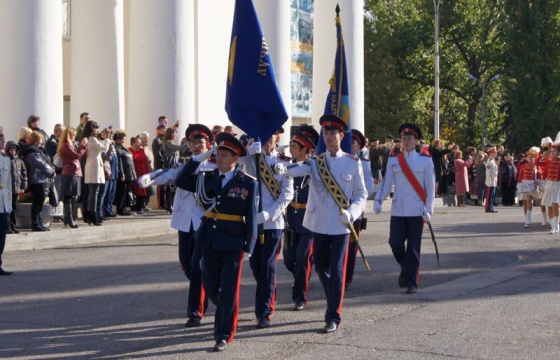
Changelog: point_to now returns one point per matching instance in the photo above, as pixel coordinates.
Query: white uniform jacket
(185, 207)
(322, 214)
(6, 180)
(491, 173)
(274, 208)
(368, 176)
(406, 201)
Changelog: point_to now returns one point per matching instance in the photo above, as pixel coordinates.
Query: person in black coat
(437, 152)
(126, 173)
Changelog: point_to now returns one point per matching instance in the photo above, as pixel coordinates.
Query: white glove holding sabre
(346, 217)
(426, 216)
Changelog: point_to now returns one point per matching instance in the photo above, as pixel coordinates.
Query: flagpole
(260, 227)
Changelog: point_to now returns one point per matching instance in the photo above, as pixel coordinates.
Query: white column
(97, 84)
(275, 23)
(161, 64)
(324, 50)
(31, 64)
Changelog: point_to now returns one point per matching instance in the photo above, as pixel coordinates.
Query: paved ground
(100, 294)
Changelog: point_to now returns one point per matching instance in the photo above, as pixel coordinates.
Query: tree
(399, 38)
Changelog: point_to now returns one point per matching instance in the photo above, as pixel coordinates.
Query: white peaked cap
(545, 141)
(534, 150)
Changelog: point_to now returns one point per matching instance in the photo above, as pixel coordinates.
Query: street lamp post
(483, 101)
(436, 70)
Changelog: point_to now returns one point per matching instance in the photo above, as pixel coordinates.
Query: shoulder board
(363, 158)
(240, 175)
(183, 160)
(283, 157)
(355, 158)
(424, 154)
(212, 158)
(207, 170)
(393, 155)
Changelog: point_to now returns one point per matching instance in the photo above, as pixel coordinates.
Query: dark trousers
(15, 202)
(93, 194)
(330, 254)
(508, 194)
(263, 264)
(100, 199)
(222, 277)
(298, 259)
(190, 257)
(490, 198)
(38, 196)
(120, 196)
(3, 231)
(352, 254)
(407, 230)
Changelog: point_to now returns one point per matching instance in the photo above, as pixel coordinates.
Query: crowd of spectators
(89, 165)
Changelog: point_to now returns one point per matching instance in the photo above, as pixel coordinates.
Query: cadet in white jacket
(491, 181)
(324, 217)
(264, 259)
(408, 211)
(186, 218)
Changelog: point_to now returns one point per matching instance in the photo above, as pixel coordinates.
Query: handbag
(57, 160)
(130, 199)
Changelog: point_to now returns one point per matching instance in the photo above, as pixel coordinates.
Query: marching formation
(236, 200)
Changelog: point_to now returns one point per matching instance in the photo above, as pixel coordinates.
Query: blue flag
(253, 100)
(338, 99)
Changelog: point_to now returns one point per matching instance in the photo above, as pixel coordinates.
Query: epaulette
(206, 170)
(283, 157)
(424, 154)
(241, 176)
(362, 158)
(353, 157)
(393, 154)
(183, 160)
(212, 158)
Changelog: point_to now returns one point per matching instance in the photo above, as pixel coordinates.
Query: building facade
(127, 62)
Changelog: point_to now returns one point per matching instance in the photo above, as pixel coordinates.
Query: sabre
(434, 241)
(355, 237)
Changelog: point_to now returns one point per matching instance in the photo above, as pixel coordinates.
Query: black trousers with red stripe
(190, 257)
(298, 259)
(330, 254)
(407, 230)
(352, 254)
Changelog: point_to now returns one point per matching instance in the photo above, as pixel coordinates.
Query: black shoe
(300, 305)
(4, 272)
(492, 211)
(330, 327)
(38, 229)
(110, 215)
(402, 280)
(411, 290)
(193, 322)
(263, 323)
(124, 213)
(15, 230)
(220, 345)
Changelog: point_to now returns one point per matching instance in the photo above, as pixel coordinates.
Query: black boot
(68, 218)
(94, 219)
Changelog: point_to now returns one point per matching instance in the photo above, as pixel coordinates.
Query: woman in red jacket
(527, 183)
(141, 166)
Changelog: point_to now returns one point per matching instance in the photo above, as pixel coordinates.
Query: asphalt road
(495, 296)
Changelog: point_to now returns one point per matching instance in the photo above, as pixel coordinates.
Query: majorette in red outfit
(527, 182)
(551, 196)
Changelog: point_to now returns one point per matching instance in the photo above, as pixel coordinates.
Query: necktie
(220, 182)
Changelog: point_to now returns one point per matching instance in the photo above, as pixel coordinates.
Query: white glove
(262, 217)
(346, 218)
(426, 216)
(280, 169)
(377, 207)
(146, 180)
(254, 148)
(202, 156)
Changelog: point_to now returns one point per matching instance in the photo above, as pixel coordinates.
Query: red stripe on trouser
(273, 299)
(201, 302)
(419, 258)
(487, 198)
(308, 274)
(339, 310)
(236, 308)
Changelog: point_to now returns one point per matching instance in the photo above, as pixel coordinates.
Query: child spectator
(19, 182)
